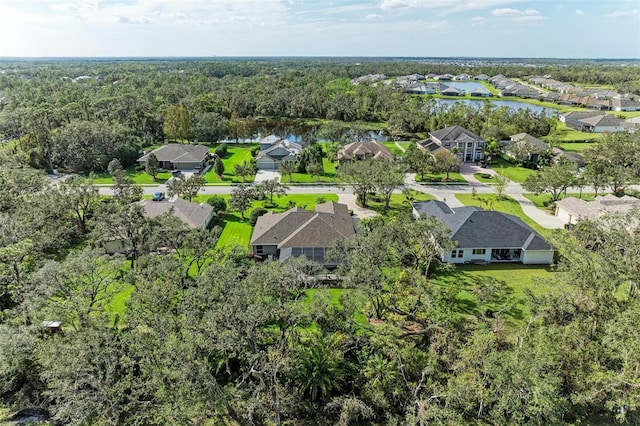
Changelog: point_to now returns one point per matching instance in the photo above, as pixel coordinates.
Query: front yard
(510, 170)
(236, 154)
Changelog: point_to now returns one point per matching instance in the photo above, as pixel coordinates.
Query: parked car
(158, 196)
(176, 173)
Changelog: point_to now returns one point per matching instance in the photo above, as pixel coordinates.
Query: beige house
(571, 210)
(364, 150)
(179, 156)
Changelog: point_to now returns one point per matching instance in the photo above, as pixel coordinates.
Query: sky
(418, 28)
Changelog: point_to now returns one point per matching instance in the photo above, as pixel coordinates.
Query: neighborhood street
(442, 192)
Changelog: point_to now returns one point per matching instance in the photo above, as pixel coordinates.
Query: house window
(479, 251)
(259, 250)
(457, 254)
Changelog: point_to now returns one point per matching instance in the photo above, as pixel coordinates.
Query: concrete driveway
(359, 212)
(263, 175)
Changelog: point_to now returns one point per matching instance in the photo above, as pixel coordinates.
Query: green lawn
(329, 175)
(454, 177)
(508, 283)
(236, 154)
(237, 231)
(510, 170)
(393, 148)
(567, 134)
(540, 199)
(398, 202)
(577, 146)
(139, 177)
(508, 205)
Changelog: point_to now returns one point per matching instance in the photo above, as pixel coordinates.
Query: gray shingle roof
(303, 228)
(473, 227)
(193, 215)
(453, 133)
(179, 152)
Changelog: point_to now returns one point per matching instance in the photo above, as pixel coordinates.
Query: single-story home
(571, 209)
(300, 232)
(481, 92)
(193, 215)
(277, 152)
(487, 236)
(179, 156)
(364, 150)
(451, 91)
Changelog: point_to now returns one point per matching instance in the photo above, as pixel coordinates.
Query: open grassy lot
(508, 205)
(569, 135)
(236, 154)
(542, 200)
(484, 177)
(577, 146)
(394, 148)
(508, 284)
(329, 175)
(510, 170)
(139, 177)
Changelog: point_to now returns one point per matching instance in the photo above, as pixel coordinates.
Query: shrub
(221, 150)
(320, 200)
(218, 203)
(255, 151)
(256, 213)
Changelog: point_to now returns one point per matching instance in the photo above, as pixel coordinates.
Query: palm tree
(288, 168)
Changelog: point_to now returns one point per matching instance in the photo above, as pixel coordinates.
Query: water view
(515, 105)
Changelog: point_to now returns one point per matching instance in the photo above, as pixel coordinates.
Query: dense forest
(175, 331)
(79, 115)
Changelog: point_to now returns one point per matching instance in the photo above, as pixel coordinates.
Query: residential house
(462, 77)
(572, 210)
(364, 150)
(467, 144)
(300, 232)
(444, 77)
(193, 215)
(451, 91)
(572, 157)
(483, 77)
(487, 236)
(603, 123)
(277, 152)
(537, 147)
(624, 104)
(574, 119)
(179, 156)
(420, 89)
(481, 92)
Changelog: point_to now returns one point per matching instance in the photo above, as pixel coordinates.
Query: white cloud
(518, 15)
(508, 12)
(394, 4)
(374, 16)
(579, 12)
(623, 13)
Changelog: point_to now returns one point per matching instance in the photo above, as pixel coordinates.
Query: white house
(487, 236)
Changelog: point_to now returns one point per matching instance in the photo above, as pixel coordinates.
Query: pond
(465, 86)
(514, 105)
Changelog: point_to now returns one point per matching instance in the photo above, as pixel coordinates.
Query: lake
(515, 105)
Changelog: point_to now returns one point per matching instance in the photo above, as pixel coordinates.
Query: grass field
(236, 154)
(540, 199)
(398, 203)
(511, 171)
(507, 285)
(453, 177)
(139, 177)
(481, 178)
(508, 205)
(569, 135)
(577, 146)
(329, 175)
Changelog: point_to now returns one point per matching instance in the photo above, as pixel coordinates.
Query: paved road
(442, 192)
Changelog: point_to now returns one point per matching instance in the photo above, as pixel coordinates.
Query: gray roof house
(468, 145)
(278, 151)
(451, 91)
(180, 156)
(481, 92)
(536, 145)
(300, 232)
(193, 215)
(487, 236)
